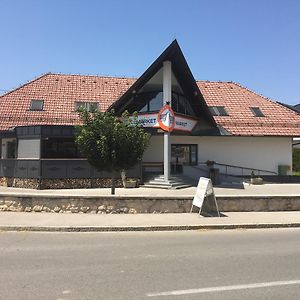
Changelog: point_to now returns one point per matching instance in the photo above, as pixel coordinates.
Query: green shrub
(296, 159)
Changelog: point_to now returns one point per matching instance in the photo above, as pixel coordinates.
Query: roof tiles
(60, 92)
(278, 120)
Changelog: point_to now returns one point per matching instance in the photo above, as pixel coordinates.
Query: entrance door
(182, 155)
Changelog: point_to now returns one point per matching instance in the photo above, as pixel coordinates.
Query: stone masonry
(69, 183)
(132, 205)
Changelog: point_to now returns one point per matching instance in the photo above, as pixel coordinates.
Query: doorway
(183, 154)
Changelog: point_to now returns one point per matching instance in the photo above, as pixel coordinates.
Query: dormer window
(36, 105)
(257, 112)
(89, 106)
(218, 111)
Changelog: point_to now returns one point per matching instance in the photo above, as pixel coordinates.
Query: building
(295, 108)
(214, 121)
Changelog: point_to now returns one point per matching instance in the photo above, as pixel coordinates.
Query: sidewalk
(238, 190)
(20, 221)
(14, 221)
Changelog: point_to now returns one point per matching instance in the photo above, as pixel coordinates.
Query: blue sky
(253, 42)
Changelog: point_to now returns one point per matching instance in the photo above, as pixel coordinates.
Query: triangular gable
(184, 76)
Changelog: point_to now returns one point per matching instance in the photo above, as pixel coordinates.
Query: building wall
(155, 150)
(29, 148)
(253, 152)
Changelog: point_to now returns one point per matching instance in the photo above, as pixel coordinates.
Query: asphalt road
(233, 264)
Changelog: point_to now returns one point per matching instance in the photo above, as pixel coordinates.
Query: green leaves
(296, 159)
(111, 143)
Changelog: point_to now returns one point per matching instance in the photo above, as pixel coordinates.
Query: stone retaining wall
(259, 203)
(93, 204)
(115, 204)
(69, 183)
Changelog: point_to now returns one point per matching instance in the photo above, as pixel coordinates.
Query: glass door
(182, 155)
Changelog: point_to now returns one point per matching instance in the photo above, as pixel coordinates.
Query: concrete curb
(9, 228)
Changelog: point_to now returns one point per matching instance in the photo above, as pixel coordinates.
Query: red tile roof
(60, 92)
(278, 120)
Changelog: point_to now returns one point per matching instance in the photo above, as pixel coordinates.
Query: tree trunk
(113, 183)
(123, 176)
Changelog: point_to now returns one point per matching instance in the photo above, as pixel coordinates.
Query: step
(164, 182)
(158, 181)
(161, 178)
(167, 187)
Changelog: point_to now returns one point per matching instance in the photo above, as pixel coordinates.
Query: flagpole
(167, 94)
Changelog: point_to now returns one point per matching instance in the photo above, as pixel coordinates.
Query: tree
(296, 159)
(110, 143)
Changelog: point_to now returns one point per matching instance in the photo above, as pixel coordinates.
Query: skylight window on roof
(89, 106)
(218, 111)
(36, 104)
(257, 112)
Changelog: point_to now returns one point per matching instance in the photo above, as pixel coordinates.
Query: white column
(167, 94)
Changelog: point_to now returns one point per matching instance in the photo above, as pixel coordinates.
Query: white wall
(29, 148)
(254, 152)
(155, 150)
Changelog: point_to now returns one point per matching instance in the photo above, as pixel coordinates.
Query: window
(154, 102)
(257, 112)
(218, 111)
(89, 106)
(183, 155)
(145, 108)
(36, 105)
(60, 148)
(11, 148)
(181, 105)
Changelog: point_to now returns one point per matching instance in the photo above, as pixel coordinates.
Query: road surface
(233, 264)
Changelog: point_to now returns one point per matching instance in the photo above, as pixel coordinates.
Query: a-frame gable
(184, 77)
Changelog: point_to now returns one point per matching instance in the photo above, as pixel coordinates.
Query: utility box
(283, 170)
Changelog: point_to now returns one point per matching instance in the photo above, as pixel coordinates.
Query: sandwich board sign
(205, 198)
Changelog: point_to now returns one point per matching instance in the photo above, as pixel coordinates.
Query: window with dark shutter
(257, 112)
(36, 105)
(218, 111)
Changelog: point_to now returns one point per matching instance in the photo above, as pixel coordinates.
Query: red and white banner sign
(184, 123)
(181, 123)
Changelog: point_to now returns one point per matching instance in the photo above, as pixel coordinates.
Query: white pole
(167, 94)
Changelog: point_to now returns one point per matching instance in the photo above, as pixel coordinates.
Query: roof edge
(254, 92)
(91, 75)
(25, 84)
(168, 54)
(290, 107)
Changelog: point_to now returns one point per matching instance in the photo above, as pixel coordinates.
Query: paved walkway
(119, 222)
(239, 190)
(14, 221)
